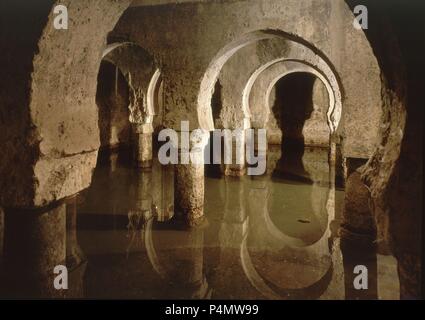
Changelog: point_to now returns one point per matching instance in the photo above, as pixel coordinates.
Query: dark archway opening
(293, 105)
(298, 206)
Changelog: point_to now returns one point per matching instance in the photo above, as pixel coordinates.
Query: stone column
(35, 242)
(189, 180)
(237, 167)
(357, 219)
(143, 144)
(358, 232)
(274, 154)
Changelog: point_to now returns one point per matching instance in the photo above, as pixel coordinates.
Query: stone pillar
(237, 167)
(358, 232)
(274, 154)
(143, 145)
(357, 219)
(410, 270)
(189, 181)
(35, 242)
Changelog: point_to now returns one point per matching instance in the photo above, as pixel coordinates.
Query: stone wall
(49, 81)
(188, 39)
(394, 173)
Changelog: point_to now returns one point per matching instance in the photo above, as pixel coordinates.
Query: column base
(234, 171)
(143, 148)
(34, 244)
(357, 219)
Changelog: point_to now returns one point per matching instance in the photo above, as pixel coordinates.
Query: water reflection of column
(231, 234)
(233, 226)
(35, 242)
(74, 254)
(162, 191)
(141, 209)
(141, 213)
(157, 189)
(75, 258)
(192, 274)
(167, 193)
(144, 199)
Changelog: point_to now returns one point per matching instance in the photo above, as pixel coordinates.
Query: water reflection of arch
(152, 200)
(151, 252)
(189, 279)
(317, 176)
(271, 291)
(267, 288)
(318, 251)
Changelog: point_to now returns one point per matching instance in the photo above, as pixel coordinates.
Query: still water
(269, 237)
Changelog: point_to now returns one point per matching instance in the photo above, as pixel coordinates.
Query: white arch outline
(151, 98)
(335, 104)
(204, 109)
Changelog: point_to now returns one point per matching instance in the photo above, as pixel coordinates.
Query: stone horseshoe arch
(141, 105)
(321, 71)
(152, 89)
(204, 109)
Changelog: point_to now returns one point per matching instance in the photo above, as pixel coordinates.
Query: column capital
(142, 128)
